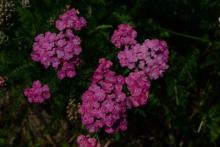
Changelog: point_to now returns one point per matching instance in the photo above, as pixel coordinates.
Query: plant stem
(204, 40)
(185, 35)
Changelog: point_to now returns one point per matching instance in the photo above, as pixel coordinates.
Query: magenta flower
(61, 51)
(104, 103)
(156, 58)
(123, 36)
(38, 93)
(150, 57)
(70, 20)
(139, 86)
(87, 141)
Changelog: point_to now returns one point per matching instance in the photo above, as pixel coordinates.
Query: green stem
(205, 40)
(176, 96)
(185, 35)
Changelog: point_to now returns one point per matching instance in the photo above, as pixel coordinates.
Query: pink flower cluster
(38, 93)
(150, 57)
(61, 51)
(70, 20)
(86, 141)
(123, 36)
(139, 86)
(104, 103)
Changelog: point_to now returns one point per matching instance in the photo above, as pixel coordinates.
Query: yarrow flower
(38, 93)
(156, 58)
(61, 51)
(150, 57)
(87, 141)
(104, 103)
(123, 36)
(139, 86)
(70, 20)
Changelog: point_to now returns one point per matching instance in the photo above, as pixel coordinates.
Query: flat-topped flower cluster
(62, 50)
(109, 96)
(70, 20)
(38, 93)
(104, 103)
(87, 141)
(124, 36)
(139, 86)
(150, 57)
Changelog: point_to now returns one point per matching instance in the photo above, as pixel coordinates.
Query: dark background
(184, 105)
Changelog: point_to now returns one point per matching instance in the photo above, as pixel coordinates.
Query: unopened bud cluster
(7, 11)
(71, 110)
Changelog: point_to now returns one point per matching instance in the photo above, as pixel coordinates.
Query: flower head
(123, 36)
(87, 141)
(138, 85)
(38, 93)
(61, 51)
(104, 103)
(150, 57)
(70, 20)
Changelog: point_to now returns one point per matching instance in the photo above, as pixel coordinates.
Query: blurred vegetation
(184, 105)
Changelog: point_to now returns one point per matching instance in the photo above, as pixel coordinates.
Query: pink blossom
(38, 93)
(70, 20)
(158, 54)
(150, 57)
(87, 141)
(138, 85)
(60, 51)
(123, 36)
(104, 103)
